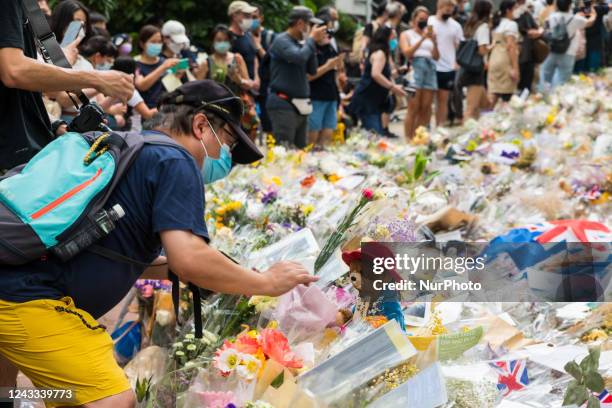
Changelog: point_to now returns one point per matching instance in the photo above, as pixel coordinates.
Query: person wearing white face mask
(175, 39)
(241, 23)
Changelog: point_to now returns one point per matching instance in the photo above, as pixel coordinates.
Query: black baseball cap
(216, 98)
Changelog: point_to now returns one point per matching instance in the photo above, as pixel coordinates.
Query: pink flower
(214, 399)
(367, 194)
(276, 346)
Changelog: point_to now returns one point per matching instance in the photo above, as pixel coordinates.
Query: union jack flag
(512, 375)
(605, 398)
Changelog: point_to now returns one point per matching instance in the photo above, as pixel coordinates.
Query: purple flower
(269, 197)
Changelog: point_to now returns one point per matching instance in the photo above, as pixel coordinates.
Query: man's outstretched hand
(281, 277)
(116, 84)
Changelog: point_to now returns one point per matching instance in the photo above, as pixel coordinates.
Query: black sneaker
(389, 134)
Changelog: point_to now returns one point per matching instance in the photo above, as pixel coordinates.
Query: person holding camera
(293, 57)
(25, 127)
(324, 89)
(162, 194)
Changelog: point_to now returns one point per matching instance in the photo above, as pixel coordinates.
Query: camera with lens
(89, 118)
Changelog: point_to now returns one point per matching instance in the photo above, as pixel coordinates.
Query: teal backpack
(57, 202)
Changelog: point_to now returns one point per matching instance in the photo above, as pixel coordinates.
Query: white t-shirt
(507, 27)
(483, 34)
(426, 48)
(576, 23)
(448, 35)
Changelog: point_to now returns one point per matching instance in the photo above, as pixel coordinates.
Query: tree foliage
(199, 16)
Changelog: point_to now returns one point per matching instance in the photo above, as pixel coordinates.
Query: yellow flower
(272, 324)
(276, 180)
(308, 148)
(332, 178)
(221, 210)
(307, 209)
(526, 134)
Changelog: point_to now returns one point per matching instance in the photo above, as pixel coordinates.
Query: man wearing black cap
(293, 57)
(163, 197)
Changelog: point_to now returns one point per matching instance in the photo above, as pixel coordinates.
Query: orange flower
(247, 344)
(276, 346)
(382, 145)
(308, 181)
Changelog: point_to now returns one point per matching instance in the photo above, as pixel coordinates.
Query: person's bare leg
(412, 115)
(473, 99)
(385, 119)
(126, 399)
(325, 137)
(426, 106)
(492, 100)
(8, 373)
(313, 137)
(441, 107)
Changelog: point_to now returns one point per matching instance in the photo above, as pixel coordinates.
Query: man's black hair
(125, 64)
(95, 17)
(98, 43)
(564, 5)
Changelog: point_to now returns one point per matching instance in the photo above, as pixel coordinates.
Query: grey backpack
(558, 37)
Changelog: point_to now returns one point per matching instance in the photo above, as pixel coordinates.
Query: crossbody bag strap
(46, 41)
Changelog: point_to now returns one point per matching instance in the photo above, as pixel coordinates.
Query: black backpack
(558, 38)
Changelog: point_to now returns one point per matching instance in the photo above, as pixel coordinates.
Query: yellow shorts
(55, 349)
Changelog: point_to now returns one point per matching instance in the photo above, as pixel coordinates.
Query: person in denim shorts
(419, 46)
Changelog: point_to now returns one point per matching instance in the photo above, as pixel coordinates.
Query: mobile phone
(182, 64)
(71, 33)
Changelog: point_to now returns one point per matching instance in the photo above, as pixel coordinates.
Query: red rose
(367, 194)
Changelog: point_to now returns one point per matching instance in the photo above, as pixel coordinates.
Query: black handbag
(469, 58)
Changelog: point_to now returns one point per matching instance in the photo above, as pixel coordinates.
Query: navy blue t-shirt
(244, 45)
(162, 190)
(151, 96)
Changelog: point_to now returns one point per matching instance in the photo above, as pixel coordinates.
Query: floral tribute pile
(532, 162)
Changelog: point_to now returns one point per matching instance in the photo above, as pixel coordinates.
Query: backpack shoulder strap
(162, 140)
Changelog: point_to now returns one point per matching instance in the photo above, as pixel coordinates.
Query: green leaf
(588, 365)
(575, 394)
(278, 381)
(419, 166)
(573, 369)
(594, 381)
(593, 402)
(595, 352)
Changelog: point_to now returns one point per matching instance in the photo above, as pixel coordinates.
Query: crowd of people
(444, 67)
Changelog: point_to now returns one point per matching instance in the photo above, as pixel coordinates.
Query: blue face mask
(393, 44)
(255, 24)
(154, 49)
(467, 7)
(216, 169)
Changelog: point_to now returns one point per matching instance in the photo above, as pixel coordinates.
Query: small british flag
(605, 399)
(512, 375)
